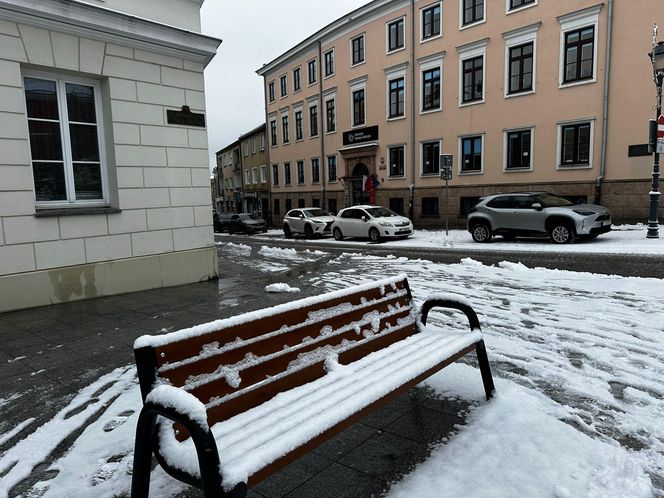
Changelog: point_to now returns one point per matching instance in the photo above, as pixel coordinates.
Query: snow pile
(279, 253)
(519, 447)
(281, 287)
(237, 249)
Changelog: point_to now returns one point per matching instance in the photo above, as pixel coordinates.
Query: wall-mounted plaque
(361, 135)
(185, 117)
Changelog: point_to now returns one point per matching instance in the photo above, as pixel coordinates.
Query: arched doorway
(359, 172)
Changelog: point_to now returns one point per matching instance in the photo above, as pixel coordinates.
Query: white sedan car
(307, 221)
(373, 222)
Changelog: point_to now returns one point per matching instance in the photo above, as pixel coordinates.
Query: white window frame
(261, 141)
(518, 9)
(297, 109)
(283, 77)
(311, 163)
(559, 138)
(355, 85)
(470, 51)
(422, 9)
(506, 133)
(405, 161)
(334, 64)
(67, 162)
(273, 119)
(253, 145)
(315, 61)
(247, 177)
(313, 103)
(275, 178)
(298, 163)
(336, 166)
(584, 18)
(460, 154)
(282, 115)
(426, 64)
(394, 73)
(515, 38)
(263, 170)
(271, 91)
(470, 25)
(362, 35)
(295, 90)
(387, 35)
(326, 99)
(254, 175)
(440, 151)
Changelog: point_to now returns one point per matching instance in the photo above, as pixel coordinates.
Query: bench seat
(252, 440)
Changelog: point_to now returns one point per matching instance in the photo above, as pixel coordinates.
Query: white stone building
(102, 189)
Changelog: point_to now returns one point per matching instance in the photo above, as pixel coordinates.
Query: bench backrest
(235, 364)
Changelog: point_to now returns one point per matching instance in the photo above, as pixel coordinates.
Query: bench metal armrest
(473, 321)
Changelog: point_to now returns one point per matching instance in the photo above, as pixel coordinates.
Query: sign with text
(446, 166)
(361, 135)
(185, 117)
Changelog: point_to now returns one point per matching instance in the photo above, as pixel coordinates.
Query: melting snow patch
(281, 287)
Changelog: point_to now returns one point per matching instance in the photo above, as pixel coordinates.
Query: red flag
(367, 183)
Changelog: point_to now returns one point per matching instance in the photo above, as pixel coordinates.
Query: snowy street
(578, 360)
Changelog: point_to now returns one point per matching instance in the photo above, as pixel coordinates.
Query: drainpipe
(605, 109)
(322, 161)
(411, 189)
(266, 148)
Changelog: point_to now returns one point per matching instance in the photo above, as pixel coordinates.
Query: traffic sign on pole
(660, 135)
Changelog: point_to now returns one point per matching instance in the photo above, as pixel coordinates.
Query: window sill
(472, 102)
(424, 112)
(396, 177)
(472, 24)
(396, 50)
(357, 64)
(435, 37)
(572, 84)
(75, 211)
(519, 9)
(396, 118)
(562, 167)
(430, 175)
(519, 94)
(517, 170)
(464, 173)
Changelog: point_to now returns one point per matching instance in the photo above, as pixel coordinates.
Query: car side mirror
(537, 206)
(364, 218)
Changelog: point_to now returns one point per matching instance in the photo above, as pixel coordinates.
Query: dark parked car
(221, 221)
(246, 223)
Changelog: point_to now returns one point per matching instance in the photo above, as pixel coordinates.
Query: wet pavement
(49, 354)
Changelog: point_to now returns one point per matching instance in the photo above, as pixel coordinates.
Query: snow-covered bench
(227, 403)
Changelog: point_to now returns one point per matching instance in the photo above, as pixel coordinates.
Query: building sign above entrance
(361, 135)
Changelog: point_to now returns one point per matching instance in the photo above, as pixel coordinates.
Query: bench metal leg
(140, 479)
(485, 370)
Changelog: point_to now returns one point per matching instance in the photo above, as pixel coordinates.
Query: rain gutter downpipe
(321, 125)
(412, 110)
(605, 109)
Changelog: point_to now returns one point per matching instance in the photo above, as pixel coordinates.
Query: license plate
(404, 230)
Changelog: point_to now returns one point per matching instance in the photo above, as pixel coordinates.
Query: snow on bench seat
(252, 440)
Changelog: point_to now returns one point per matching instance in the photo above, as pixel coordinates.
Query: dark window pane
(45, 143)
(87, 181)
(84, 145)
(41, 99)
(81, 103)
(49, 181)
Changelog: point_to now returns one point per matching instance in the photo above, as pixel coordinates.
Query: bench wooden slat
(192, 346)
(272, 367)
(260, 394)
(179, 375)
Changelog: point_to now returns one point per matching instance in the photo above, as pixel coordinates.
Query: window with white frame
(578, 46)
(472, 72)
(329, 63)
(284, 129)
(283, 82)
(311, 71)
(330, 115)
(247, 177)
(315, 170)
(263, 174)
(357, 50)
(430, 22)
(513, 5)
(518, 150)
(270, 91)
(66, 139)
(396, 34)
(253, 145)
(520, 60)
(359, 100)
(261, 141)
(275, 174)
(297, 79)
(254, 175)
(472, 12)
(431, 158)
(298, 124)
(300, 172)
(397, 160)
(332, 168)
(313, 120)
(287, 174)
(273, 132)
(575, 144)
(472, 154)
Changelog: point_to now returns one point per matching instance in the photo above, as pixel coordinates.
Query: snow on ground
(578, 360)
(624, 239)
(281, 287)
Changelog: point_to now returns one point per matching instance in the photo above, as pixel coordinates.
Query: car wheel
(481, 232)
(308, 232)
(337, 234)
(374, 235)
(561, 233)
(287, 232)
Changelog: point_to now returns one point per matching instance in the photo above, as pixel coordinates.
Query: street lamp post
(657, 59)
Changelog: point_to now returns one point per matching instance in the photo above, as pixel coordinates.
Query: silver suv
(535, 214)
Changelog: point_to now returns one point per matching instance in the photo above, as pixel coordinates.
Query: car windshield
(550, 200)
(312, 213)
(380, 212)
(248, 217)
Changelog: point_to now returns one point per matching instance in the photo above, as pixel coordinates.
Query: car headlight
(385, 224)
(583, 212)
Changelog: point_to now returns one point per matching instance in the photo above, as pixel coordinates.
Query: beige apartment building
(228, 177)
(525, 94)
(256, 188)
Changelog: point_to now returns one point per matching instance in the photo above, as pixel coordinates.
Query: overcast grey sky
(254, 32)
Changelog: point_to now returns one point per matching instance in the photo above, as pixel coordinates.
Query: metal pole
(447, 210)
(653, 223)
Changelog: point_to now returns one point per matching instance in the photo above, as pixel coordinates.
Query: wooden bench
(227, 403)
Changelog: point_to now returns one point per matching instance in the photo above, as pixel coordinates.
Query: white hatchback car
(307, 221)
(373, 222)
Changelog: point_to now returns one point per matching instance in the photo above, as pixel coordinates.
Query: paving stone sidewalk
(48, 354)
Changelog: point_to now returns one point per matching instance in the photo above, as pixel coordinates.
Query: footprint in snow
(116, 422)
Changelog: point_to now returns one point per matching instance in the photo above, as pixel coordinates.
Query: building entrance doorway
(357, 191)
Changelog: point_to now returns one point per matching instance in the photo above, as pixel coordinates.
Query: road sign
(660, 128)
(445, 174)
(660, 146)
